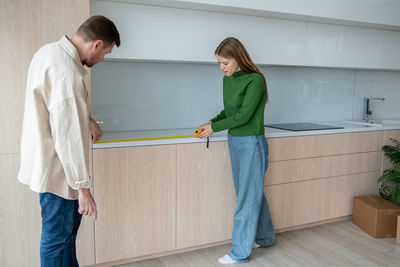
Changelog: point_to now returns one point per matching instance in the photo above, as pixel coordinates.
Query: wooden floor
(334, 244)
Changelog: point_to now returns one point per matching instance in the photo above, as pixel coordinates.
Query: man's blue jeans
(60, 223)
(252, 219)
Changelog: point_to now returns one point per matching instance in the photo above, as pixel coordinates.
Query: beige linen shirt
(55, 133)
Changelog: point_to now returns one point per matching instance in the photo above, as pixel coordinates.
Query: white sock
(226, 260)
(255, 245)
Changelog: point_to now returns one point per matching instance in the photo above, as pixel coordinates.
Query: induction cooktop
(302, 126)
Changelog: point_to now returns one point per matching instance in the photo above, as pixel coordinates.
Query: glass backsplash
(132, 95)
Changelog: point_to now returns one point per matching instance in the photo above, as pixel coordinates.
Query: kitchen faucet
(368, 108)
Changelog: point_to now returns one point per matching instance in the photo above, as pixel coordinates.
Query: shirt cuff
(84, 183)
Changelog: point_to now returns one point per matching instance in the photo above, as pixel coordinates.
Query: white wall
(161, 33)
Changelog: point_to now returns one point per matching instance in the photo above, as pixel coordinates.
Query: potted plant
(390, 179)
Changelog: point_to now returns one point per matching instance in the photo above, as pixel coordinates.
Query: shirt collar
(71, 50)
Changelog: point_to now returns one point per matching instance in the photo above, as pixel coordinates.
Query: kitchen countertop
(222, 136)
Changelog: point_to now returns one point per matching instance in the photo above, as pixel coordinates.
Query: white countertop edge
(270, 133)
(333, 131)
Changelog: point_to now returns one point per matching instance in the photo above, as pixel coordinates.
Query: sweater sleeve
(254, 92)
(219, 117)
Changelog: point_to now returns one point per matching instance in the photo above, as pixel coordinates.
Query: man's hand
(87, 205)
(95, 130)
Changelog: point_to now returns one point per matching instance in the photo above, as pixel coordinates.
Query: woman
(245, 95)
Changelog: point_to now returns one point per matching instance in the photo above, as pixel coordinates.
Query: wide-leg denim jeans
(60, 223)
(252, 218)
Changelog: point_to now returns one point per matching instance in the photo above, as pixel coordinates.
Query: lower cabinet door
(135, 191)
(205, 194)
(296, 204)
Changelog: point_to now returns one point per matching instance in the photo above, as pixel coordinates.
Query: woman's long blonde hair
(233, 48)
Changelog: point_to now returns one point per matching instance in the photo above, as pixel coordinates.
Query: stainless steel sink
(377, 123)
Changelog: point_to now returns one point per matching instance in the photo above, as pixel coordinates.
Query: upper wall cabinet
(382, 14)
(151, 32)
(157, 33)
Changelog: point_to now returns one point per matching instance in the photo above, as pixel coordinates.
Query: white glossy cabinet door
(268, 41)
(176, 34)
(373, 13)
(157, 33)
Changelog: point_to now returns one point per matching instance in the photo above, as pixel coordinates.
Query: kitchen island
(161, 197)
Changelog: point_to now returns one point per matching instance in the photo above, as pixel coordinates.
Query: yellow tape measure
(144, 138)
(151, 138)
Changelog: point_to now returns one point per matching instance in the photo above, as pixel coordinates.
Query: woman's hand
(205, 124)
(207, 130)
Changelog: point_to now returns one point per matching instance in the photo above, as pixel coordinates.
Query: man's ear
(98, 44)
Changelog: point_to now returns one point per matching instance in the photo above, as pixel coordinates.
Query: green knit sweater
(244, 103)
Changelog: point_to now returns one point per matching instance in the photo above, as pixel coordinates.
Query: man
(55, 135)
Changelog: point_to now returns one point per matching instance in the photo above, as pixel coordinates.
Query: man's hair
(99, 28)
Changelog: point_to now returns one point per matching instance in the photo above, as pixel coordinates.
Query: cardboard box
(375, 215)
(398, 231)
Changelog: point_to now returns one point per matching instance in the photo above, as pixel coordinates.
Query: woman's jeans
(60, 223)
(252, 219)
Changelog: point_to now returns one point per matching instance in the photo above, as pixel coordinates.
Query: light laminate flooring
(334, 244)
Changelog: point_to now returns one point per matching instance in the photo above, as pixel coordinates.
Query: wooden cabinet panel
(287, 171)
(298, 147)
(205, 194)
(305, 202)
(20, 219)
(85, 242)
(24, 27)
(135, 190)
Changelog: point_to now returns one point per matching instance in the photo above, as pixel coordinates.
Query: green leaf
(390, 180)
(392, 152)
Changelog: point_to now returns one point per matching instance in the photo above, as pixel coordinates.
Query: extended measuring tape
(196, 134)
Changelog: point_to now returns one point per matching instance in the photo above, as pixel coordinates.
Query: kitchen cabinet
(295, 205)
(168, 33)
(374, 14)
(135, 192)
(314, 178)
(163, 199)
(288, 148)
(294, 42)
(205, 194)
